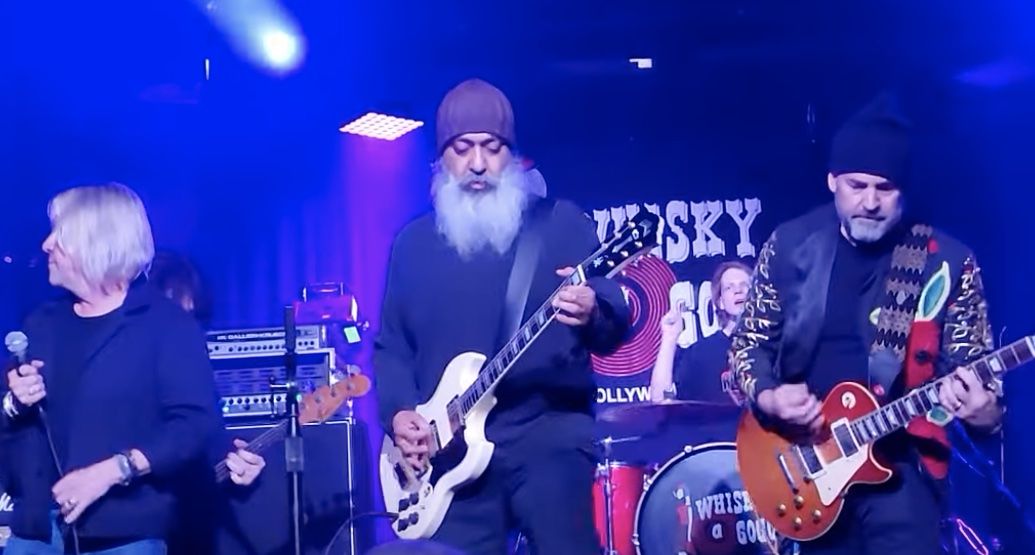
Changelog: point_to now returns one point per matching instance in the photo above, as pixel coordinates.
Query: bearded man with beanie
(859, 292)
(448, 276)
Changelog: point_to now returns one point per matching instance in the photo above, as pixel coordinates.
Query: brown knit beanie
(474, 106)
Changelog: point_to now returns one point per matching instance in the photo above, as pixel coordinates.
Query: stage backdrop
(695, 236)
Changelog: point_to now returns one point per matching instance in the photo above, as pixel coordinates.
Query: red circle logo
(646, 284)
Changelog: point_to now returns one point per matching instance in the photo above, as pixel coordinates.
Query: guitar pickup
(844, 439)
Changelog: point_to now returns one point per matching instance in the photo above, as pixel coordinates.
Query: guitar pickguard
(837, 474)
(448, 457)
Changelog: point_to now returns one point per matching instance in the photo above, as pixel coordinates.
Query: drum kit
(693, 504)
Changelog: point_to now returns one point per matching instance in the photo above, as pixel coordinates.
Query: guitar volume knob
(797, 523)
(799, 502)
(781, 510)
(817, 515)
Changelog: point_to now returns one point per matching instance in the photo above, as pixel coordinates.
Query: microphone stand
(293, 453)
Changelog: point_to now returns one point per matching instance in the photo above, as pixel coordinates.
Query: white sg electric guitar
(456, 413)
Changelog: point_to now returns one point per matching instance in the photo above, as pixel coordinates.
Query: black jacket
(147, 385)
(776, 336)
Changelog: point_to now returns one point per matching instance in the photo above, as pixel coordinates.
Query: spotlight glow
(381, 126)
(280, 48)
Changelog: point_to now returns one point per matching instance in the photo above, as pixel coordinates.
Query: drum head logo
(696, 505)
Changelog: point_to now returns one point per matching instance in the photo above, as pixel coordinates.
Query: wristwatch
(669, 393)
(125, 468)
(9, 406)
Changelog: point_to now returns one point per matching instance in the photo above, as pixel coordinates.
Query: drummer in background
(701, 372)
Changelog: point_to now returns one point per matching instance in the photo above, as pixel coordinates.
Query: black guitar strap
(526, 260)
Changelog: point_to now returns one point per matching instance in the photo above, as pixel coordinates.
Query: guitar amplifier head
(243, 381)
(268, 341)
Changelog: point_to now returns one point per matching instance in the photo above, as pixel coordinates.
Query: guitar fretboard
(898, 413)
(257, 445)
(494, 370)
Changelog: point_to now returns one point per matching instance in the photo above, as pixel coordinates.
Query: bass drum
(696, 505)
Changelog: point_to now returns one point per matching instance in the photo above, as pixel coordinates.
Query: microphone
(18, 345)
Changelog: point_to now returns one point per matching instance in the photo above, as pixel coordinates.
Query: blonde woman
(117, 395)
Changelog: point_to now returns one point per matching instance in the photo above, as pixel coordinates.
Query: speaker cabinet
(255, 520)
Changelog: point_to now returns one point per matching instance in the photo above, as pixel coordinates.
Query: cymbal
(691, 412)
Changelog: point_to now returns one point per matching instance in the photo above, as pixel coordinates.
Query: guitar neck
(257, 445)
(918, 402)
(494, 370)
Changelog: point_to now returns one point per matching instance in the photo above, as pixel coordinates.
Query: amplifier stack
(247, 361)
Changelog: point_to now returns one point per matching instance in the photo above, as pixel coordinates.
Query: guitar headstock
(637, 236)
(324, 400)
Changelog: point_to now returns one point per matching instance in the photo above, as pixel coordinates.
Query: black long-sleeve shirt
(438, 305)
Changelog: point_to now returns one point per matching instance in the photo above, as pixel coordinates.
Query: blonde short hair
(105, 230)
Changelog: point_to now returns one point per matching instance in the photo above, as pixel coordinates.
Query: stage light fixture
(381, 126)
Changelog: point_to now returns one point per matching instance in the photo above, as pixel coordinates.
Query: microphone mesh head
(16, 342)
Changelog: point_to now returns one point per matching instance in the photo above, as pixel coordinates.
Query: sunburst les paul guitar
(313, 407)
(800, 487)
(461, 403)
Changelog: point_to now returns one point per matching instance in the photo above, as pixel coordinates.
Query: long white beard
(472, 220)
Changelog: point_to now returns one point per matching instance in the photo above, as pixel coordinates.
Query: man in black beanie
(856, 292)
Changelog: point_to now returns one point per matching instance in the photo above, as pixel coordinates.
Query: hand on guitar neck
(794, 406)
(244, 466)
(576, 303)
(970, 401)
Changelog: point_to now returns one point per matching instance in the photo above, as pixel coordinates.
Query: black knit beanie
(874, 141)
